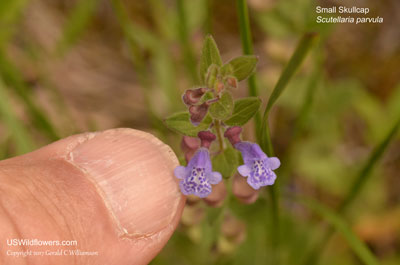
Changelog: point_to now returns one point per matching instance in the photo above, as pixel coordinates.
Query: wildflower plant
(216, 119)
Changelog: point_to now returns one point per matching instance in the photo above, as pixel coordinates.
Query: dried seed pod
(217, 196)
(233, 229)
(242, 190)
(192, 215)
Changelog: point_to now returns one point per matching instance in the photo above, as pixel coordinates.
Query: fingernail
(133, 172)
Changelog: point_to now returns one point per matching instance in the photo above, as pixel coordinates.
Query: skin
(113, 192)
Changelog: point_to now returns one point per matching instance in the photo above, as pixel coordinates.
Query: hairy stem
(217, 125)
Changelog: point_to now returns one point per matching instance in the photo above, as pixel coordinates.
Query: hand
(112, 192)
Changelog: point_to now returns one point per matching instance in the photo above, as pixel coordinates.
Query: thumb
(112, 192)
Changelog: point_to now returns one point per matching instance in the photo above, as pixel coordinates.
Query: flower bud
(193, 96)
(206, 138)
(232, 82)
(219, 86)
(198, 112)
(233, 134)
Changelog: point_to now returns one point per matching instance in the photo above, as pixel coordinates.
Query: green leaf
(243, 66)
(180, 123)
(243, 110)
(294, 63)
(342, 227)
(222, 109)
(210, 55)
(226, 162)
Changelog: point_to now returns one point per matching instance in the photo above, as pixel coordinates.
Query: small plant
(212, 115)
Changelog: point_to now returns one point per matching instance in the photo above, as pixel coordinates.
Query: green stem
(247, 47)
(189, 56)
(208, 24)
(244, 25)
(217, 125)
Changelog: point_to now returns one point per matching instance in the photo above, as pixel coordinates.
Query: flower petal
(273, 162)
(253, 182)
(201, 159)
(250, 151)
(244, 170)
(269, 180)
(184, 189)
(203, 190)
(180, 172)
(214, 177)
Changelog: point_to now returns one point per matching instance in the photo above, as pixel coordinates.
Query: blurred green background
(71, 66)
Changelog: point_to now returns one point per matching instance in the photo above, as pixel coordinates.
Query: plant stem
(208, 25)
(244, 25)
(189, 56)
(247, 47)
(217, 125)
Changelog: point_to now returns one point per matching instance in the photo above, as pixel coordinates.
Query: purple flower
(258, 167)
(197, 176)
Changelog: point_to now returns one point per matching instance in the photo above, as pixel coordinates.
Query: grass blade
(77, 22)
(14, 80)
(355, 189)
(135, 37)
(21, 137)
(364, 174)
(294, 63)
(342, 227)
(10, 12)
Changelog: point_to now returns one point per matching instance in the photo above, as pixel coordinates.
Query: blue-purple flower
(258, 167)
(197, 176)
